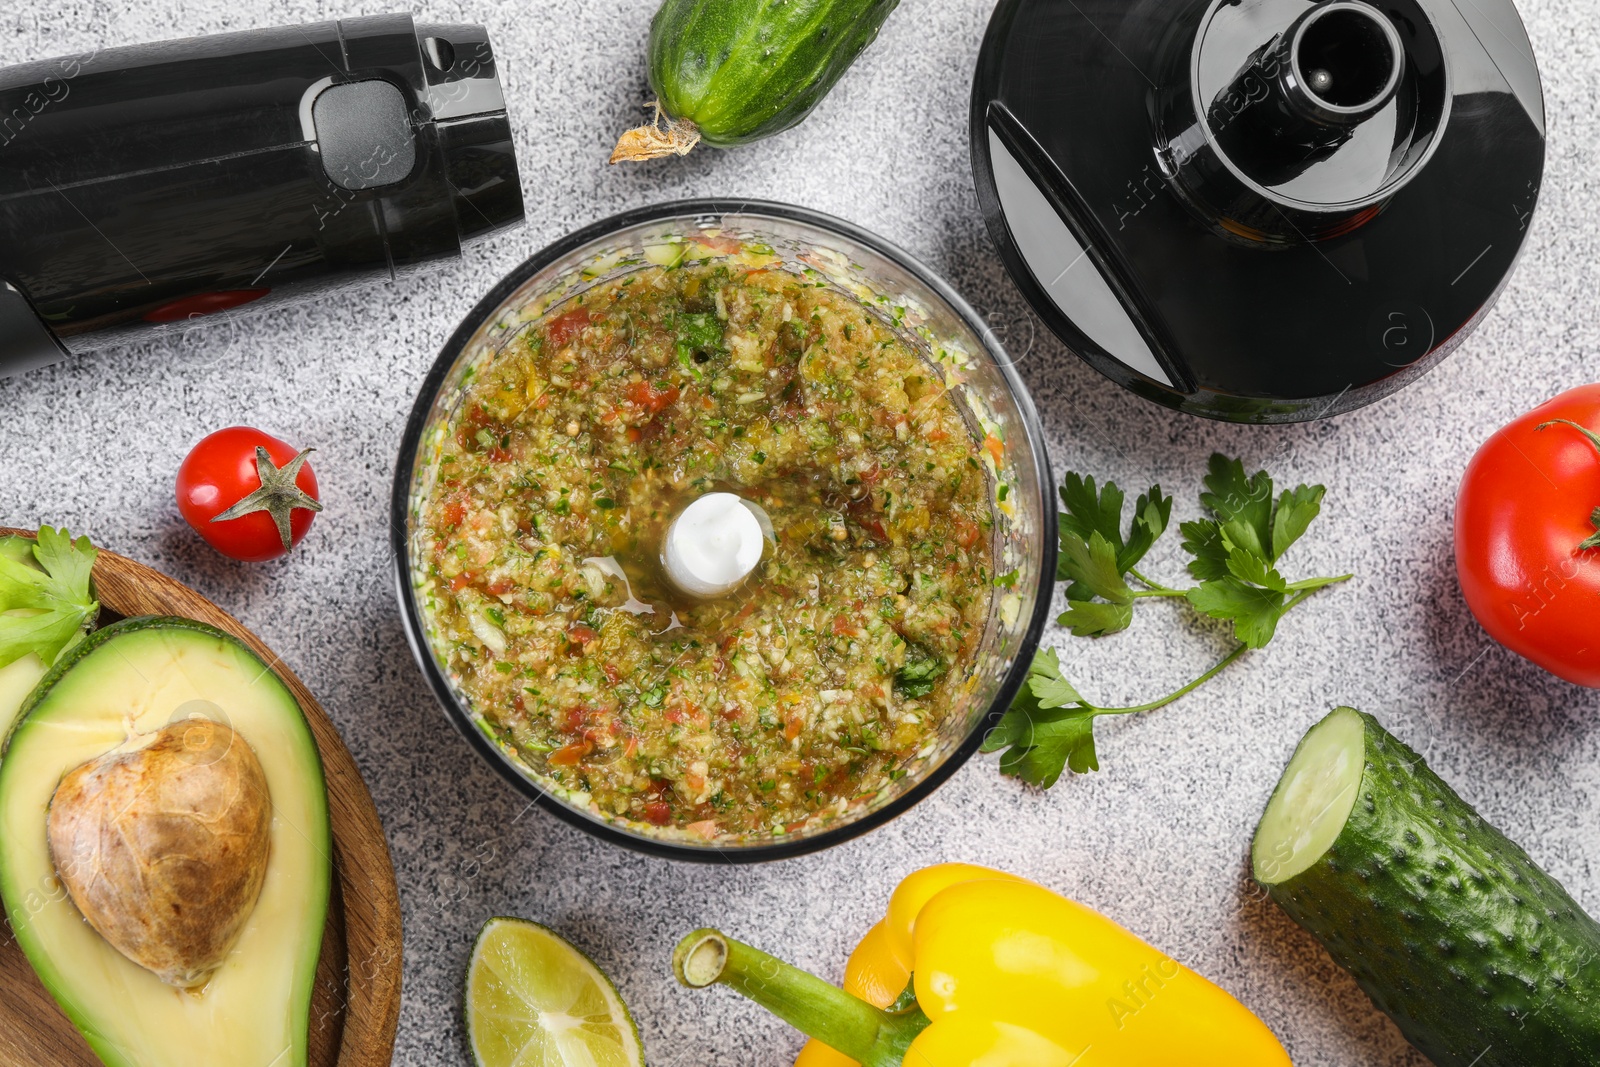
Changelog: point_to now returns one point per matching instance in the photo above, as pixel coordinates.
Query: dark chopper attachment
(1259, 210)
(146, 186)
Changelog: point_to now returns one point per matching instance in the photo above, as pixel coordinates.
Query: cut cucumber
(1480, 957)
(1313, 800)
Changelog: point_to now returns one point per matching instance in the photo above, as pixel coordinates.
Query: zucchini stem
(870, 1036)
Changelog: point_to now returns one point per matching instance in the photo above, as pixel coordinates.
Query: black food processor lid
(1259, 210)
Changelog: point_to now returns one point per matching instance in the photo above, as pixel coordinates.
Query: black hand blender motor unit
(1259, 210)
(146, 186)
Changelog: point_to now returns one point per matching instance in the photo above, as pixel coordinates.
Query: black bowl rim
(416, 635)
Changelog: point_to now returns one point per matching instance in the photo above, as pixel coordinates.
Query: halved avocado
(134, 677)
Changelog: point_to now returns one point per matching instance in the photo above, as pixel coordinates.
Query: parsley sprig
(47, 601)
(1236, 550)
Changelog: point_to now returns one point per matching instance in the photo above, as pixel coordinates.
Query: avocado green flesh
(1479, 957)
(17, 680)
(145, 673)
(741, 70)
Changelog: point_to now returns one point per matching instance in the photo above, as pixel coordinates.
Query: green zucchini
(728, 72)
(1480, 957)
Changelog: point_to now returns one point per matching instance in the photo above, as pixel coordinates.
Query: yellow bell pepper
(977, 968)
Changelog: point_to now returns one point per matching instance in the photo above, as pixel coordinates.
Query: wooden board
(356, 1005)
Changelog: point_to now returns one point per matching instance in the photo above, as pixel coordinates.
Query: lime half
(535, 1001)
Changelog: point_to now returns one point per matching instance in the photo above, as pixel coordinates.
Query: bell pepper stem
(869, 1035)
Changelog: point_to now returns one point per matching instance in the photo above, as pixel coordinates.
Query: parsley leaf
(1092, 566)
(1253, 611)
(1095, 555)
(1056, 741)
(1099, 511)
(921, 670)
(1048, 728)
(1237, 550)
(1152, 513)
(699, 337)
(1296, 510)
(1091, 618)
(1048, 685)
(46, 599)
(1240, 502)
(1203, 540)
(1253, 569)
(1091, 510)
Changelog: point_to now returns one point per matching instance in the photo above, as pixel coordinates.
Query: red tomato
(244, 508)
(563, 328)
(652, 399)
(1530, 499)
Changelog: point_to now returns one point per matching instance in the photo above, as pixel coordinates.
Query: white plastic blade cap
(712, 546)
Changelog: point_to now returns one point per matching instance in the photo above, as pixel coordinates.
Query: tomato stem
(278, 496)
(1594, 439)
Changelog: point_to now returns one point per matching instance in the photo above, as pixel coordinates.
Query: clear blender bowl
(926, 313)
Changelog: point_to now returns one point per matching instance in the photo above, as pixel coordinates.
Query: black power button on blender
(1259, 210)
(148, 186)
(363, 134)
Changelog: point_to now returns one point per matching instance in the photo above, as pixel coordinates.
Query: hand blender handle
(148, 186)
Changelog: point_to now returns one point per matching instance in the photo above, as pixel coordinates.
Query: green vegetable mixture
(807, 690)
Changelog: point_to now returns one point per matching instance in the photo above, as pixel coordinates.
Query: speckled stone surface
(1157, 839)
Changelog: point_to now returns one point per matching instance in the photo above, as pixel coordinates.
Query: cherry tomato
(1529, 503)
(250, 495)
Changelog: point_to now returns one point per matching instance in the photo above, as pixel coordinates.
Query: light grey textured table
(1157, 839)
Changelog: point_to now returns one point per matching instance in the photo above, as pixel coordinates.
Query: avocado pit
(163, 846)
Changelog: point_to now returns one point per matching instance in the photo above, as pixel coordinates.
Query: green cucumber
(1480, 957)
(728, 72)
